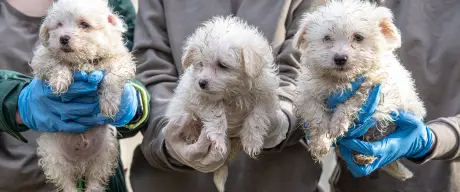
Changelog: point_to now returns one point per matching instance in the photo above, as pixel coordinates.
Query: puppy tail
(398, 171)
(220, 177)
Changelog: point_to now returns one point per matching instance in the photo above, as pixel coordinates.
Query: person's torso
(18, 160)
(290, 170)
(430, 50)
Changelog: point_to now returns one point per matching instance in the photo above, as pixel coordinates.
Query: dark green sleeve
(11, 84)
(143, 110)
(125, 9)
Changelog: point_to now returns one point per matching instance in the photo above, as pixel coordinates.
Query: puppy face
(76, 32)
(215, 72)
(346, 38)
(225, 54)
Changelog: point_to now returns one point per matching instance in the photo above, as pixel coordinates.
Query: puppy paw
(398, 171)
(338, 126)
(319, 146)
(59, 86)
(219, 143)
(363, 159)
(252, 144)
(109, 107)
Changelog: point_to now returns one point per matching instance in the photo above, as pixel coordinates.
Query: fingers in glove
(80, 75)
(96, 77)
(364, 121)
(405, 120)
(369, 107)
(341, 96)
(357, 170)
(200, 148)
(71, 127)
(84, 85)
(214, 156)
(365, 148)
(74, 110)
(172, 132)
(358, 130)
(92, 120)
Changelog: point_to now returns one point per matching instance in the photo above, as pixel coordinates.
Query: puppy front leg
(118, 73)
(254, 130)
(345, 113)
(215, 125)
(60, 79)
(59, 76)
(317, 120)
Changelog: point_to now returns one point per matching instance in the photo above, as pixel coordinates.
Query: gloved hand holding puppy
(411, 139)
(74, 111)
(200, 155)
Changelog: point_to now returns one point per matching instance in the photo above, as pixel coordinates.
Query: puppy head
(81, 31)
(346, 38)
(226, 54)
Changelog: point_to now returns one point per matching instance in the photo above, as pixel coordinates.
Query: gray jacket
(161, 28)
(430, 50)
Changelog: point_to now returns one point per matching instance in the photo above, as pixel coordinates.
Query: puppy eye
(59, 24)
(200, 64)
(84, 25)
(327, 38)
(222, 66)
(358, 37)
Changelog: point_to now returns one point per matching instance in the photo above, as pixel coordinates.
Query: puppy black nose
(203, 83)
(64, 39)
(340, 59)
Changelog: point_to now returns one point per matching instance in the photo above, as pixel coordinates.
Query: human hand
(364, 120)
(411, 139)
(186, 143)
(73, 111)
(279, 127)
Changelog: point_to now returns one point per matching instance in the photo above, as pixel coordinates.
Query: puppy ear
(117, 23)
(388, 29)
(299, 40)
(187, 57)
(44, 35)
(252, 62)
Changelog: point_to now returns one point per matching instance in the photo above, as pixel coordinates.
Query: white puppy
(82, 35)
(229, 87)
(339, 42)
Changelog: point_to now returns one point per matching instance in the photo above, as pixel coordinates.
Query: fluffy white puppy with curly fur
(82, 35)
(339, 42)
(228, 87)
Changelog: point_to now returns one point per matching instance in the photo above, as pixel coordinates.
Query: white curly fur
(94, 42)
(335, 29)
(237, 63)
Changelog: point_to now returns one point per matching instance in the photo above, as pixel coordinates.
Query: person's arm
(142, 112)
(156, 70)
(289, 66)
(446, 140)
(125, 9)
(11, 84)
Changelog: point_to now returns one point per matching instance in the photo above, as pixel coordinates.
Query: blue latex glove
(76, 110)
(364, 120)
(411, 139)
